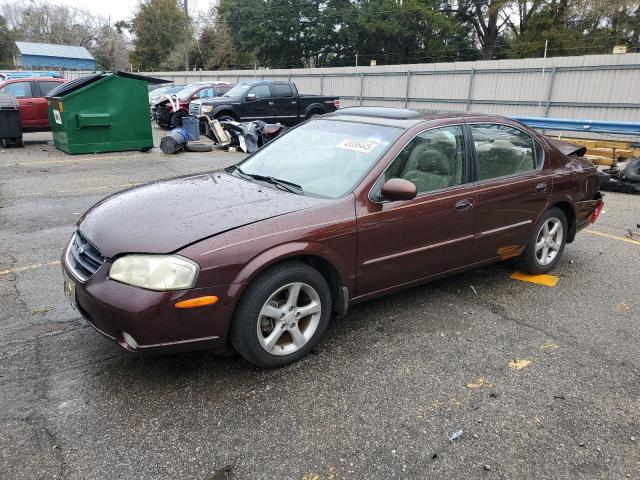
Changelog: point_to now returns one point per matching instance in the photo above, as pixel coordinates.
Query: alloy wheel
(549, 241)
(289, 319)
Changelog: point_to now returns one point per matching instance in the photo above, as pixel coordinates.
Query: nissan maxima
(343, 208)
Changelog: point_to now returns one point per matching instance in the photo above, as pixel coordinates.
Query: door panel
(285, 103)
(512, 190)
(401, 242)
(259, 108)
(28, 108)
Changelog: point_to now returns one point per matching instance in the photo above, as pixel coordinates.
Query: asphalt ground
(379, 397)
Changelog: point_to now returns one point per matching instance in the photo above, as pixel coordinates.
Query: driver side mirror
(251, 97)
(397, 189)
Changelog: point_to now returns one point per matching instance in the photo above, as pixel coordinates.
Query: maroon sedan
(346, 207)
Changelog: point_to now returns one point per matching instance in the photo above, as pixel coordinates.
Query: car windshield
(187, 93)
(325, 158)
(158, 91)
(239, 90)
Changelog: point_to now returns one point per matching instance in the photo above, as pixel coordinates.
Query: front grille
(83, 258)
(194, 108)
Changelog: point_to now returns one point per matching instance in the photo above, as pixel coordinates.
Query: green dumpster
(104, 112)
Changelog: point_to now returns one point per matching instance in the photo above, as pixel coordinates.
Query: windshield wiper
(287, 185)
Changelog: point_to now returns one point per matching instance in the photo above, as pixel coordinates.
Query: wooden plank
(599, 160)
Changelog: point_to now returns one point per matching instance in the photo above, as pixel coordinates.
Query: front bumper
(150, 318)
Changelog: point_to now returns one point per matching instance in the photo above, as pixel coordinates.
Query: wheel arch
(316, 255)
(570, 212)
(224, 110)
(313, 108)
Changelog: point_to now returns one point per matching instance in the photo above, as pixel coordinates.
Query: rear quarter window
(282, 90)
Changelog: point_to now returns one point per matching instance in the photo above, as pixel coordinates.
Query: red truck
(31, 92)
(164, 111)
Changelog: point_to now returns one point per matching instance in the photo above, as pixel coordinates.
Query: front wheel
(176, 118)
(282, 315)
(546, 243)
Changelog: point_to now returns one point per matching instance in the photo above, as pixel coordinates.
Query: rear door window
(18, 89)
(281, 90)
(503, 151)
(46, 87)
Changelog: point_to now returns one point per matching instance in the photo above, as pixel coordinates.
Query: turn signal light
(197, 302)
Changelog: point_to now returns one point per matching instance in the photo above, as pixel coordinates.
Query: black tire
(632, 170)
(529, 261)
(176, 118)
(313, 113)
(244, 327)
(226, 117)
(195, 146)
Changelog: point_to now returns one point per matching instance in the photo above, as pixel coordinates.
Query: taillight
(336, 103)
(596, 213)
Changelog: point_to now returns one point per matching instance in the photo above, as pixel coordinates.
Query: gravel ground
(380, 396)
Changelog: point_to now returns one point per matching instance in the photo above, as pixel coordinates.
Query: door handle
(542, 187)
(270, 103)
(462, 205)
(293, 103)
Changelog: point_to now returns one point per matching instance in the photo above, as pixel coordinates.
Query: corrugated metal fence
(603, 87)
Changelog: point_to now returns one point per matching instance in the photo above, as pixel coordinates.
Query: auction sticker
(56, 115)
(364, 146)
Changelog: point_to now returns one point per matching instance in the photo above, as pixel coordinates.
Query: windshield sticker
(363, 146)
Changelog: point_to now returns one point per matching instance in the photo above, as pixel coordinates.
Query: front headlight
(206, 108)
(155, 272)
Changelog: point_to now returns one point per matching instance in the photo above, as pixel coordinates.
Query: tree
(158, 27)
(489, 19)
(6, 43)
(215, 47)
(111, 49)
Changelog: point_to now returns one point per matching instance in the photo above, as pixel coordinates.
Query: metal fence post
(406, 92)
(321, 82)
(237, 78)
(550, 91)
(361, 85)
(472, 81)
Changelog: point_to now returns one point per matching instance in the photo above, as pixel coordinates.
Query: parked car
(156, 93)
(346, 207)
(31, 93)
(168, 111)
(265, 100)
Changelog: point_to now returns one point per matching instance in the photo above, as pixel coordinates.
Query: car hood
(220, 101)
(165, 216)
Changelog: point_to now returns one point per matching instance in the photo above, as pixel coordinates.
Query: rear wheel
(313, 113)
(546, 243)
(282, 315)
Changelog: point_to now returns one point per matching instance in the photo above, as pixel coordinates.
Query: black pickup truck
(264, 100)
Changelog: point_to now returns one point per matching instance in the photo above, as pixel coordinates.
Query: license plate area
(69, 286)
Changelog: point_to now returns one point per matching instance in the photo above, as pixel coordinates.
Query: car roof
(405, 118)
(34, 79)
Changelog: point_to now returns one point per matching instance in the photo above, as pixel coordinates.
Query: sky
(122, 9)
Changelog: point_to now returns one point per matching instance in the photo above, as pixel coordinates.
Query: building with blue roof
(46, 55)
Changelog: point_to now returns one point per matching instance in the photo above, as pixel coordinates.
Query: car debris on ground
(247, 137)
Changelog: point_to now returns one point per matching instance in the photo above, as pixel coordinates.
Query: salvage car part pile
(625, 180)
(248, 136)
